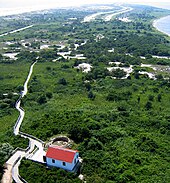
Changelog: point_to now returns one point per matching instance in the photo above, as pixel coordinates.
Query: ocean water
(163, 25)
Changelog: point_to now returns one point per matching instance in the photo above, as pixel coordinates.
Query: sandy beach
(156, 22)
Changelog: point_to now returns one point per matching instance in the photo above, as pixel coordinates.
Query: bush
(151, 98)
(159, 97)
(49, 95)
(91, 95)
(118, 73)
(5, 151)
(62, 81)
(42, 99)
(148, 105)
(94, 144)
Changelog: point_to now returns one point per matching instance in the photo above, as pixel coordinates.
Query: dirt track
(7, 177)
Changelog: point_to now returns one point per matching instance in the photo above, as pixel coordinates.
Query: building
(60, 157)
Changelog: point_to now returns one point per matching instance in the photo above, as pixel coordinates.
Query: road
(124, 10)
(17, 30)
(92, 17)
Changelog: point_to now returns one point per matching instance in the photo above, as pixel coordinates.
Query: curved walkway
(34, 151)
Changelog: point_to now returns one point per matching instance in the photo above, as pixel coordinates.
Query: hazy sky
(59, 3)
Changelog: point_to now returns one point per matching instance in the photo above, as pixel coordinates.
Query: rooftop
(60, 153)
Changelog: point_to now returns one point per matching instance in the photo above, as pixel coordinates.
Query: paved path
(18, 103)
(35, 150)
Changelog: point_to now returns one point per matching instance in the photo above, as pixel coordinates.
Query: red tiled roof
(62, 154)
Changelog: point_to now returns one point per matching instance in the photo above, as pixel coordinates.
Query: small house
(62, 158)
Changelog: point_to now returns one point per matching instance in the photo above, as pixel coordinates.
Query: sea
(163, 25)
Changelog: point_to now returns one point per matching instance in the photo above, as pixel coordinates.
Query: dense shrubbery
(47, 175)
(122, 134)
(120, 127)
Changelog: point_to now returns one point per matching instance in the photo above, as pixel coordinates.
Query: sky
(63, 3)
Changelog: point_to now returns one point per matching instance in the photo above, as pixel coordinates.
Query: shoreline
(155, 22)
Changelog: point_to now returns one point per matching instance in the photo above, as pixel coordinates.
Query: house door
(44, 159)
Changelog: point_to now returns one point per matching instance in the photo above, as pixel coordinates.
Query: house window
(53, 160)
(64, 163)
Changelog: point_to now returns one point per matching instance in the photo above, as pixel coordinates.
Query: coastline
(155, 25)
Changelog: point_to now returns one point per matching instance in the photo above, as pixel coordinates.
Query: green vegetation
(12, 79)
(119, 136)
(47, 175)
(120, 127)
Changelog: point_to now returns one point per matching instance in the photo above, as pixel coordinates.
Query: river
(163, 25)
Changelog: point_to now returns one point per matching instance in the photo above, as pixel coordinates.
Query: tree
(148, 105)
(118, 73)
(136, 75)
(20, 88)
(91, 95)
(113, 96)
(138, 99)
(1, 171)
(5, 151)
(94, 144)
(159, 77)
(48, 68)
(42, 99)
(79, 133)
(1, 57)
(3, 105)
(159, 97)
(151, 97)
(62, 81)
(148, 56)
(88, 86)
(72, 46)
(49, 95)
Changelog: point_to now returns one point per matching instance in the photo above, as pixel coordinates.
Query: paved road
(124, 10)
(92, 17)
(17, 30)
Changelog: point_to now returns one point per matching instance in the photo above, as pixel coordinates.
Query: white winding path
(35, 149)
(18, 103)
